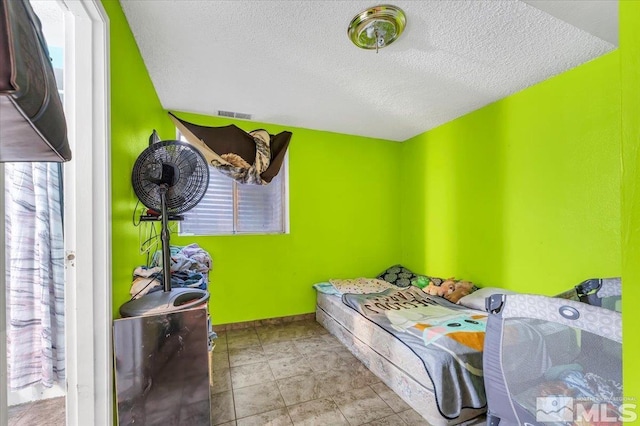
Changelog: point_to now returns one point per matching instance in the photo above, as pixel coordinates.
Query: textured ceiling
(598, 17)
(291, 63)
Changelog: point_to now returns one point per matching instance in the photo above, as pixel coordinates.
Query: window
(232, 208)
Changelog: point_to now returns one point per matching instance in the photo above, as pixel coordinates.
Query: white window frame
(284, 170)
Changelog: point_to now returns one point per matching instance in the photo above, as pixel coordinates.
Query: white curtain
(35, 274)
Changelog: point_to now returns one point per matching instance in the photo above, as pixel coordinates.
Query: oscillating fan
(169, 178)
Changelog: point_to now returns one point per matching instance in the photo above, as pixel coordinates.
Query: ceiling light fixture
(377, 27)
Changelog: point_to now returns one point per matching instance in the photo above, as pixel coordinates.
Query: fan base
(162, 302)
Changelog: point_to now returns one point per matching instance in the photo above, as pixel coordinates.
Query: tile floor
(297, 374)
(49, 412)
(287, 374)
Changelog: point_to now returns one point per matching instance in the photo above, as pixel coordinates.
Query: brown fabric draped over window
(32, 123)
(253, 158)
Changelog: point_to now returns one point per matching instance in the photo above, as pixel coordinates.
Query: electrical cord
(152, 278)
(153, 234)
(150, 242)
(135, 209)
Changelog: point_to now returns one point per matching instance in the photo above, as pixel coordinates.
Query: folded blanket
(361, 285)
(448, 338)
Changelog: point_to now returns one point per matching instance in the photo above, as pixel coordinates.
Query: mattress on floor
(387, 357)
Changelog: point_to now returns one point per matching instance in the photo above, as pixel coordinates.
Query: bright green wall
(524, 193)
(135, 112)
(343, 205)
(344, 219)
(630, 66)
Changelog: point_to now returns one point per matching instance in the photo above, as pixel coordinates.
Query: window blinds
(232, 208)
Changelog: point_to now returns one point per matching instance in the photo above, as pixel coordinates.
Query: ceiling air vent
(232, 114)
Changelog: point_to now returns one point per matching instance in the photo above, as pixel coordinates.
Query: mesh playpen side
(554, 361)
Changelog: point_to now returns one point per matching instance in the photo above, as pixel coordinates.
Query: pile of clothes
(588, 396)
(190, 266)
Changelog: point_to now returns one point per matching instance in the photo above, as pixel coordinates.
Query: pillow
(361, 285)
(422, 281)
(475, 300)
(327, 288)
(397, 275)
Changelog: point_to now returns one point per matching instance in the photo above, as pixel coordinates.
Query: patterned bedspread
(448, 338)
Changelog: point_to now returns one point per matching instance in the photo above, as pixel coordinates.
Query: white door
(87, 224)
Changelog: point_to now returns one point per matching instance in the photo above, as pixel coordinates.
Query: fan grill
(188, 184)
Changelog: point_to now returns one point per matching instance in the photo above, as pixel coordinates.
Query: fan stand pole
(164, 237)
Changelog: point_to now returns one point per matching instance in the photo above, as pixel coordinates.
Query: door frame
(88, 317)
(89, 399)
(3, 313)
